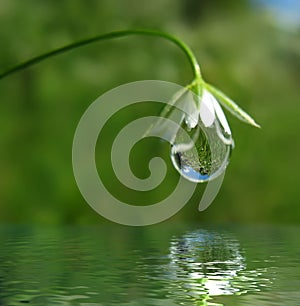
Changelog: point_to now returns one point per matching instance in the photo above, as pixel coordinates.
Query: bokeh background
(249, 49)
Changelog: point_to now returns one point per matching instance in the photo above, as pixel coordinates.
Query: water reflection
(206, 262)
(148, 266)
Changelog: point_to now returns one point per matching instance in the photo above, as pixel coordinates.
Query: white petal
(221, 116)
(192, 115)
(207, 112)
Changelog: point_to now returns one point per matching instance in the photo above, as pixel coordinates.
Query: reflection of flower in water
(206, 263)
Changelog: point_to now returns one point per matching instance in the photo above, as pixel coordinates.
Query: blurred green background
(249, 49)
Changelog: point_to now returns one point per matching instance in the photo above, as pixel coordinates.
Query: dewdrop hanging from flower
(207, 155)
(202, 152)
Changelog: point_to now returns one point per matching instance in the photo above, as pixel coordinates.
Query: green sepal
(231, 106)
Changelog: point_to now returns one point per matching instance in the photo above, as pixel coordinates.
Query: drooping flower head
(202, 142)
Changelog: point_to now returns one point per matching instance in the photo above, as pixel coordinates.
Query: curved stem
(188, 52)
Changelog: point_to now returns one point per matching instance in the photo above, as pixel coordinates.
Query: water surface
(158, 265)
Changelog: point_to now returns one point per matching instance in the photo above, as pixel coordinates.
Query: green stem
(188, 52)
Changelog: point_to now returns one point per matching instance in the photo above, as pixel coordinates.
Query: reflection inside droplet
(202, 153)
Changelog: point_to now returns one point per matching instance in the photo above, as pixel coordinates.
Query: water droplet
(202, 153)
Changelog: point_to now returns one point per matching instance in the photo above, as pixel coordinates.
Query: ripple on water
(72, 266)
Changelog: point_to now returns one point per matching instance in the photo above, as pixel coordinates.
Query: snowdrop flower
(201, 141)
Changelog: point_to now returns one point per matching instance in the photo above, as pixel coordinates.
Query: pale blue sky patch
(286, 12)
